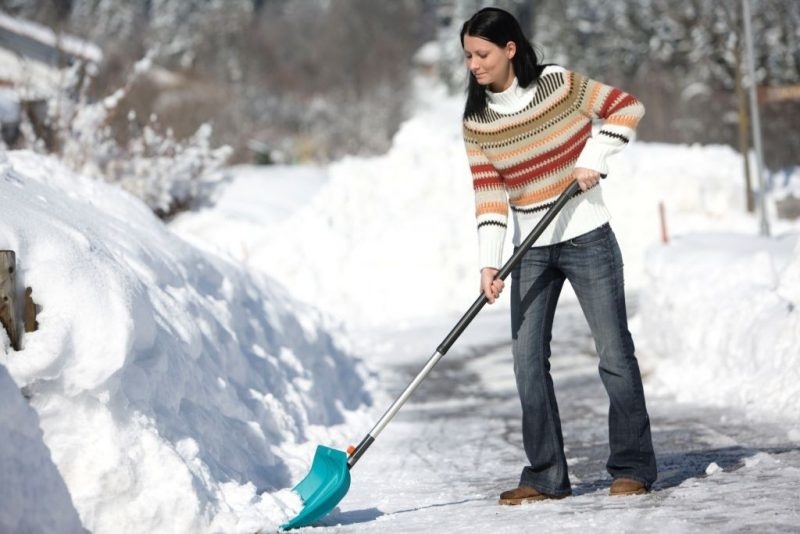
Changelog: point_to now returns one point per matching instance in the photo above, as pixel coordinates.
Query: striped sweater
(523, 149)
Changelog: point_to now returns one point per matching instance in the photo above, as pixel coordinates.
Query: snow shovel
(329, 479)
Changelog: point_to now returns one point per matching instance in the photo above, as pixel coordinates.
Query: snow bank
(33, 497)
(172, 388)
(390, 239)
(382, 241)
(721, 316)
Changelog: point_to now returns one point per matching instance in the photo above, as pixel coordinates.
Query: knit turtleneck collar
(513, 99)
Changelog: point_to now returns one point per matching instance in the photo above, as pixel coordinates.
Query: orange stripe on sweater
(475, 153)
(623, 120)
(594, 97)
(501, 208)
(540, 195)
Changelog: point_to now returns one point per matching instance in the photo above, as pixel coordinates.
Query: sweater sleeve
(620, 113)
(491, 204)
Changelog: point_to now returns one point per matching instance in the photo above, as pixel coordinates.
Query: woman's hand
(490, 286)
(586, 178)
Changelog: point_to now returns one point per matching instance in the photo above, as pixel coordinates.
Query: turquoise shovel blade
(324, 486)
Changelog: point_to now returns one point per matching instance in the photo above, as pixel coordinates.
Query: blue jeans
(593, 265)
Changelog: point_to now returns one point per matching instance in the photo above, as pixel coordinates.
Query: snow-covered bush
(168, 174)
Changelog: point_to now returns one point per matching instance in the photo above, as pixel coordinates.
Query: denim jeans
(593, 265)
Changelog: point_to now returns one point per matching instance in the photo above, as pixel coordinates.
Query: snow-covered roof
(26, 35)
(32, 56)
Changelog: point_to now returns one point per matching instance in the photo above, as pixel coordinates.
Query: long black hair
(499, 27)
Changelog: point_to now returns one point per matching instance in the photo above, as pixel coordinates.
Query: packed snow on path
(457, 444)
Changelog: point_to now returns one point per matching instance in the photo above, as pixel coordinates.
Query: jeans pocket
(591, 238)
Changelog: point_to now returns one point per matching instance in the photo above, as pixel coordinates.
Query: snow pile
(722, 316)
(385, 239)
(392, 238)
(172, 388)
(27, 471)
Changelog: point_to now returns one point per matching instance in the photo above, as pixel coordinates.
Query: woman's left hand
(586, 178)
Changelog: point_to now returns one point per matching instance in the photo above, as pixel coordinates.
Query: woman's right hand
(490, 286)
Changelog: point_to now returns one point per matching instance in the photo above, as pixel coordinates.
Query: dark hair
(499, 27)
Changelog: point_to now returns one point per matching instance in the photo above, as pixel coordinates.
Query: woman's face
(489, 63)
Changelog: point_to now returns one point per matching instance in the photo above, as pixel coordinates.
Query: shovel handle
(462, 324)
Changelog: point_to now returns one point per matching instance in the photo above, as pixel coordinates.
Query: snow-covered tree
(682, 58)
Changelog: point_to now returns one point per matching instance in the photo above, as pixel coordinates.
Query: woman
(528, 135)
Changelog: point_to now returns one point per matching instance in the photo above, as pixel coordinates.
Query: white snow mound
(170, 385)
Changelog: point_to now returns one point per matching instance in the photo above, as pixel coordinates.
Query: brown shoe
(626, 486)
(525, 494)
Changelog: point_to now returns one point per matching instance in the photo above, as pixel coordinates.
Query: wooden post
(8, 301)
(29, 312)
(662, 215)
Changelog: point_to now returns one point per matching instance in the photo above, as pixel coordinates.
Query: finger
(585, 183)
(488, 293)
(496, 290)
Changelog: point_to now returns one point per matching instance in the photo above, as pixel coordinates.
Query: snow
(181, 376)
(379, 226)
(34, 78)
(27, 471)
(737, 332)
(172, 387)
(43, 34)
(396, 231)
(9, 107)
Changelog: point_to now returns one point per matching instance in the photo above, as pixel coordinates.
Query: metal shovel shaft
(462, 324)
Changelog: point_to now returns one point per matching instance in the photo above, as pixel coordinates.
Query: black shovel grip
(509, 266)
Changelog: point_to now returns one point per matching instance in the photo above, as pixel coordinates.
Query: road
(440, 465)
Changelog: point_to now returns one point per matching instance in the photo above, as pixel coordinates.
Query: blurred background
(282, 81)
